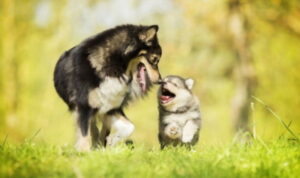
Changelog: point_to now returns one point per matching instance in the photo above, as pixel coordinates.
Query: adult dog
(99, 76)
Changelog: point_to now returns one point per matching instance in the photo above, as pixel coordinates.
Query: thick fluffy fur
(179, 115)
(99, 76)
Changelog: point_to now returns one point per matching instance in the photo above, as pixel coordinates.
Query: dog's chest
(109, 94)
(180, 118)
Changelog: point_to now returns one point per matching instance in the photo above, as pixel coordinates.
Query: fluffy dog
(179, 115)
(99, 76)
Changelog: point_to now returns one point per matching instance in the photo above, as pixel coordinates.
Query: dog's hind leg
(120, 128)
(84, 118)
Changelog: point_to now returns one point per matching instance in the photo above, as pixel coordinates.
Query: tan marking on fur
(142, 52)
(129, 49)
(98, 56)
(132, 66)
(147, 35)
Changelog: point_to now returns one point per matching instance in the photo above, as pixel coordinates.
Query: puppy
(179, 115)
(98, 77)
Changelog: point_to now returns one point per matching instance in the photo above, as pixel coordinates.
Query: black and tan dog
(98, 77)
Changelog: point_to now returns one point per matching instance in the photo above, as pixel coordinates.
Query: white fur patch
(120, 130)
(123, 128)
(181, 118)
(135, 89)
(83, 144)
(110, 94)
(190, 83)
(189, 131)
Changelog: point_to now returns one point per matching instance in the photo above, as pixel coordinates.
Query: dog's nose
(160, 82)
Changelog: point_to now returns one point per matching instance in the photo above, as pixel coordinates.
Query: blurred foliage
(195, 43)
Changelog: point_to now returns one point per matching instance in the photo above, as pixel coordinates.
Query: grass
(280, 158)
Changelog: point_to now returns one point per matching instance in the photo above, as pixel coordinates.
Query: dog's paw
(112, 140)
(83, 145)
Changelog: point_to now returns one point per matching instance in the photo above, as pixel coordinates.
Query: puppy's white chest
(180, 119)
(175, 118)
(109, 95)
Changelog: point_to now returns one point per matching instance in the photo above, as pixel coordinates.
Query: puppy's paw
(187, 138)
(173, 131)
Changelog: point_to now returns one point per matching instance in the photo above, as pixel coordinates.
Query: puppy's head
(175, 92)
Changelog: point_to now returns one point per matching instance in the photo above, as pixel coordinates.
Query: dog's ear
(149, 33)
(189, 83)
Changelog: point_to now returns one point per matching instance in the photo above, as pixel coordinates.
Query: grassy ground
(279, 158)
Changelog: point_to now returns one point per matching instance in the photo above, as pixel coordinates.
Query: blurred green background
(232, 48)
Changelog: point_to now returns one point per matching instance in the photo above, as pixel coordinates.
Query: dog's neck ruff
(180, 110)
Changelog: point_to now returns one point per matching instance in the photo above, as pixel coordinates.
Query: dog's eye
(155, 59)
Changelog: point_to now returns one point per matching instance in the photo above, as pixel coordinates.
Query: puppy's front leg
(189, 131)
(120, 129)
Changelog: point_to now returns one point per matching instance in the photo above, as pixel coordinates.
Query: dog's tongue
(143, 78)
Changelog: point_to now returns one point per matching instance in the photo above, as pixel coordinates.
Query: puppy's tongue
(143, 78)
(164, 99)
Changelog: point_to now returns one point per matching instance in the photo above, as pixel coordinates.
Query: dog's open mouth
(166, 96)
(142, 76)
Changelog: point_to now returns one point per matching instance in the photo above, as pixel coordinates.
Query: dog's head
(144, 70)
(143, 67)
(175, 92)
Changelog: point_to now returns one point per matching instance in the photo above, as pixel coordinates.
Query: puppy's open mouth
(166, 96)
(142, 76)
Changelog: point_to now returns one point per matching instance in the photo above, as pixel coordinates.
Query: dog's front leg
(84, 118)
(120, 128)
(189, 131)
(95, 134)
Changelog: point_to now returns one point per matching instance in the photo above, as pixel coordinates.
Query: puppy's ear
(189, 83)
(149, 33)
